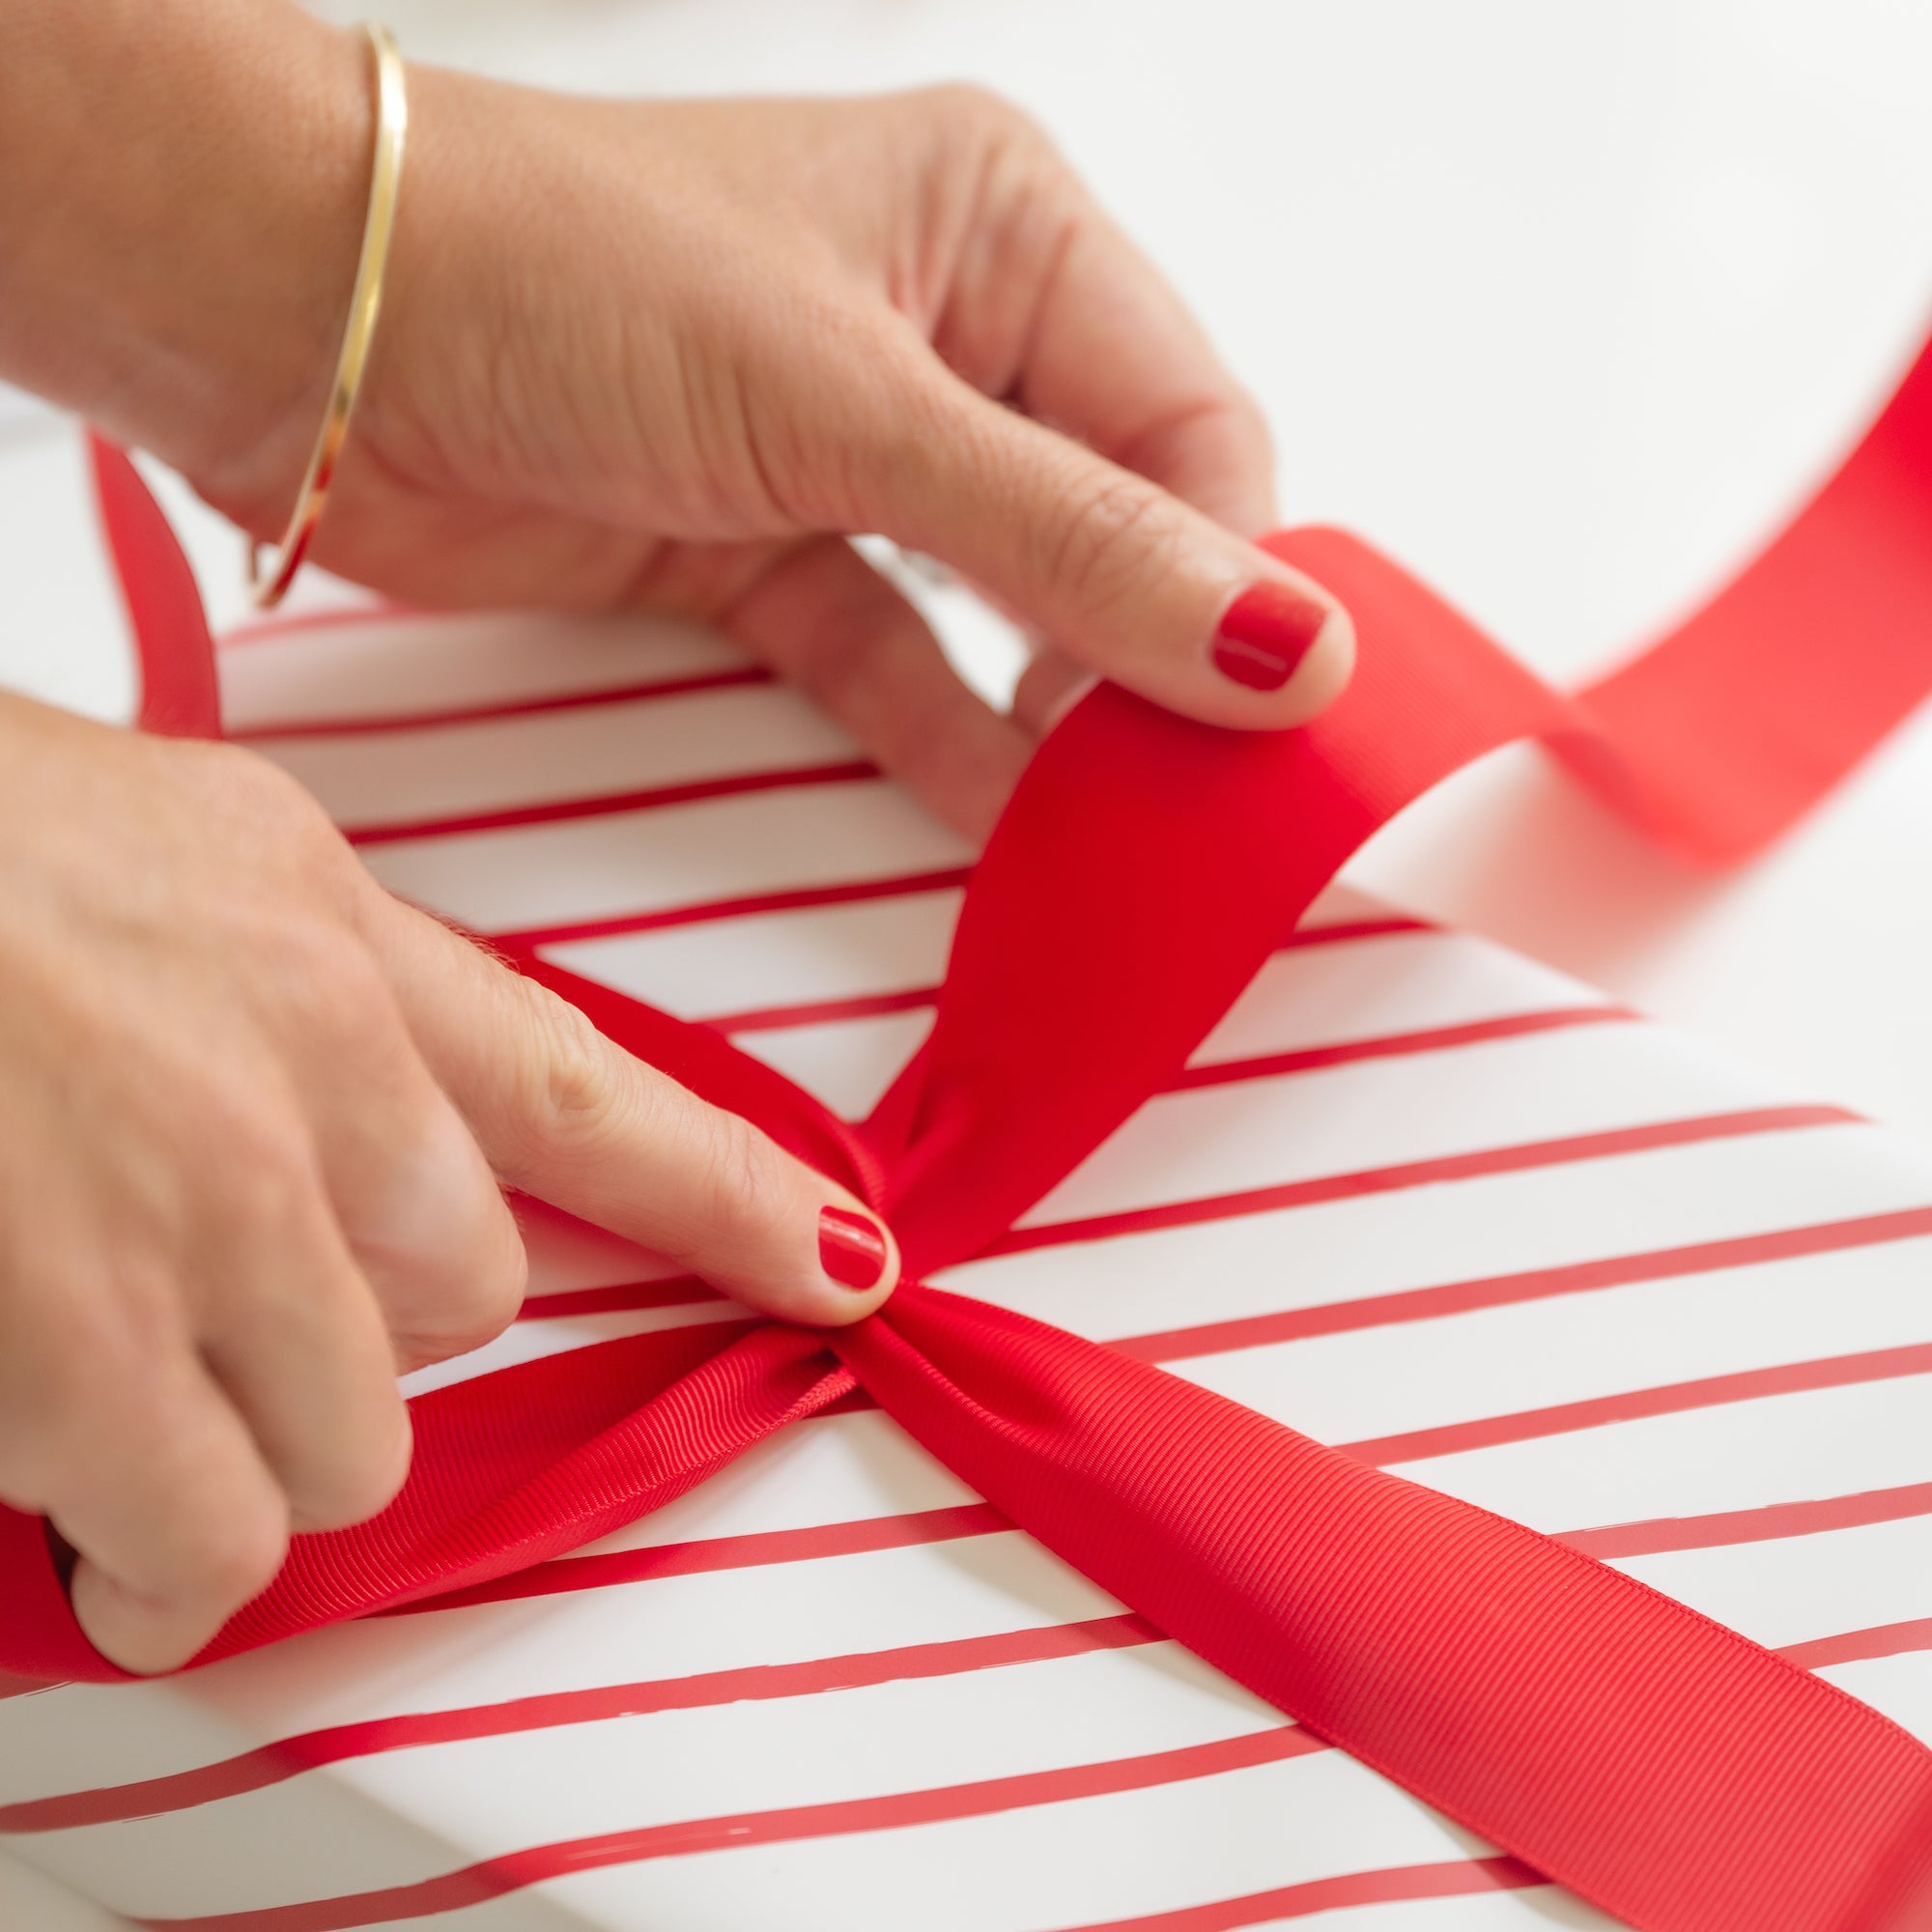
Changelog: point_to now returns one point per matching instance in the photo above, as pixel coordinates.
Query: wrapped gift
(1620, 1551)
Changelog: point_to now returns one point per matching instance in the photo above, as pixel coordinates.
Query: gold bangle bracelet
(392, 117)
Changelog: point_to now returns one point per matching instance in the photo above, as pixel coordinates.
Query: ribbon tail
(1736, 724)
(181, 695)
(1474, 1661)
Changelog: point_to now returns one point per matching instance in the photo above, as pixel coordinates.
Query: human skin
(632, 355)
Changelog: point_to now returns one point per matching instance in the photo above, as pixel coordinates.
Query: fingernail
(851, 1247)
(1267, 631)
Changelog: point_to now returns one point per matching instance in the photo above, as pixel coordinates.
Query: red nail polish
(851, 1247)
(1268, 630)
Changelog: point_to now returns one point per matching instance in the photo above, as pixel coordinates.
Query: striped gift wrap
(1416, 1196)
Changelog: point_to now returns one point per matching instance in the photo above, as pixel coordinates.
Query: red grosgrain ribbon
(1677, 1775)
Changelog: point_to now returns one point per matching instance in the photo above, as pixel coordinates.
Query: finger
(428, 1227)
(294, 1338)
(1122, 576)
(419, 1210)
(826, 621)
(567, 1116)
(176, 1517)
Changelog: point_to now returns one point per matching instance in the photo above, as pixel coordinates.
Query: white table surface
(1561, 305)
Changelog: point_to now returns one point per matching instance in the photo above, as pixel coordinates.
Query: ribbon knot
(1666, 1768)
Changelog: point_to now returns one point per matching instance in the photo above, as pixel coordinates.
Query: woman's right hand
(255, 1113)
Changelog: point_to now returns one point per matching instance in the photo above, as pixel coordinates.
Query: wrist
(181, 192)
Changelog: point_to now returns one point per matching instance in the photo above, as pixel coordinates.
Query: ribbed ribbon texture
(1670, 1770)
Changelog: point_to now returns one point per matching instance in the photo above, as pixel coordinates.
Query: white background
(1562, 305)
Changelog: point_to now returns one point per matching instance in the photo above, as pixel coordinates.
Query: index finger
(568, 1116)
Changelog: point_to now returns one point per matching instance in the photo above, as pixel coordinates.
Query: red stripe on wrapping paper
(1422, 1304)
(1354, 928)
(820, 1013)
(1635, 1404)
(557, 810)
(683, 1291)
(1423, 1173)
(494, 1878)
(751, 1550)
(1773, 1522)
(1390, 1046)
(1454, 1878)
(641, 690)
(796, 899)
(1859, 1646)
(310, 1751)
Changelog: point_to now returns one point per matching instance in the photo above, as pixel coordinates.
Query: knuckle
(276, 798)
(265, 1170)
(269, 815)
(574, 1088)
(126, 1332)
(330, 985)
(255, 789)
(1115, 539)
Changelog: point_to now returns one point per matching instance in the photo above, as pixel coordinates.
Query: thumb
(1123, 577)
(566, 1115)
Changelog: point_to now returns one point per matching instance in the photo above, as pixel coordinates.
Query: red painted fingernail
(851, 1247)
(1268, 630)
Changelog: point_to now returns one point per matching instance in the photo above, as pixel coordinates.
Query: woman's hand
(253, 1112)
(666, 352)
(663, 353)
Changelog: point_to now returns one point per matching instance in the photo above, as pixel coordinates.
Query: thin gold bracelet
(392, 118)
